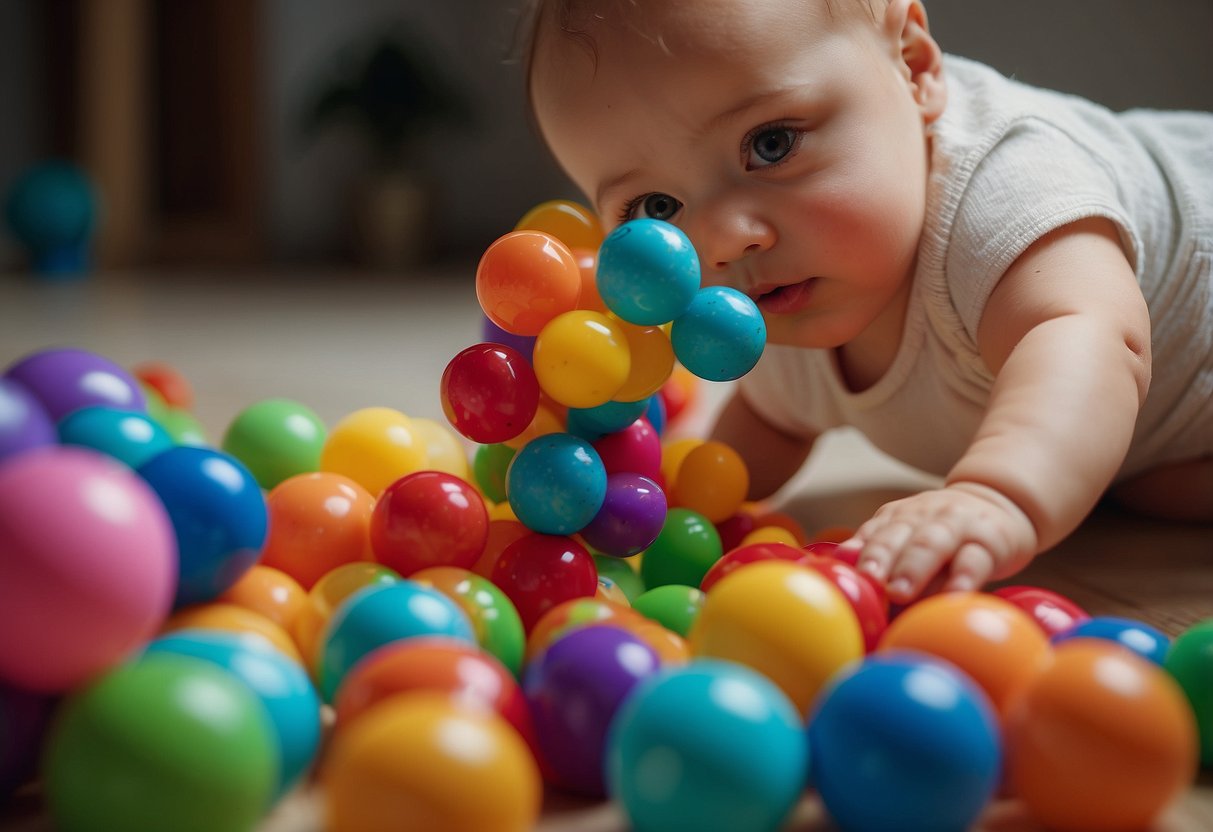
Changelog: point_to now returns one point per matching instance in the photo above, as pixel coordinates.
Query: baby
(987, 279)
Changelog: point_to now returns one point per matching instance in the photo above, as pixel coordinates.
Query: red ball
(429, 518)
(1053, 612)
(539, 571)
(744, 555)
(489, 393)
(634, 450)
(867, 597)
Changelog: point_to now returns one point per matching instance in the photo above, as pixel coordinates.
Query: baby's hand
(980, 531)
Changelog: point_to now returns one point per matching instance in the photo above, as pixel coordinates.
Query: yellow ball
(784, 620)
(374, 447)
(672, 455)
(582, 358)
(652, 361)
(422, 762)
(444, 450)
(770, 534)
(569, 222)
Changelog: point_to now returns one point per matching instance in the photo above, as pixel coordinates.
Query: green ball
(166, 742)
(276, 439)
(1190, 663)
(622, 573)
(489, 464)
(183, 427)
(684, 551)
(673, 606)
(495, 620)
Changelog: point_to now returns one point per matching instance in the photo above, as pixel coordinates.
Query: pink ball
(636, 450)
(88, 565)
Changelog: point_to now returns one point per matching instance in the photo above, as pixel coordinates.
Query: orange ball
(502, 533)
(327, 594)
(525, 279)
(652, 361)
(168, 381)
(712, 480)
(233, 619)
(571, 615)
(270, 592)
(671, 648)
(317, 522)
(1102, 741)
(569, 222)
(992, 640)
(587, 262)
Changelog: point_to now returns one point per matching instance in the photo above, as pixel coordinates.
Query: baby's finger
(913, 569)
(971, 568)
(881, 546)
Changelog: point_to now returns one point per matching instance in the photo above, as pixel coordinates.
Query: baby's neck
(865, 359)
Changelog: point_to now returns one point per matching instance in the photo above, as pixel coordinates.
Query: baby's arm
(1067, 333)
(771, 456)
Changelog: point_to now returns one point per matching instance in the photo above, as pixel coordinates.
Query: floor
(339, 341)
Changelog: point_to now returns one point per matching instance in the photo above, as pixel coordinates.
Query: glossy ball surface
(632, 515)
(489, 393)
(374, 447)
(866, 595)
(237, 620)
(652, 362)
(712, 480)
(539, 571)
(428, 518)
(489, 466)
(741, 556)
(444, 448)
(636, 449)
(556, 484)
(1054, 613)
(721, 336)
(648, 272)
(131, 438)
(592, 423)
(276, 439)
(672, 606)
(526, 278)
(1146, 641)
(1190, 663)
(24, 423)
(495, 621)
(582, 359)
(67, 379)
(570, 222)
(683, 552)
(270, 592)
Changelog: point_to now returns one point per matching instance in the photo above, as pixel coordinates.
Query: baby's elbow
(1136, 341)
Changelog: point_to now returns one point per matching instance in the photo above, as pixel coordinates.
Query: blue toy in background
(52, 211)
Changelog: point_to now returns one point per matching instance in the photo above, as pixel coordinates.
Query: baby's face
(786, 143)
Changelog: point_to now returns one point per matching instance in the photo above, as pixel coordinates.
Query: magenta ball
(64, 380)
(88, 566)
(636, 448)
(631, 516)
(24, 423)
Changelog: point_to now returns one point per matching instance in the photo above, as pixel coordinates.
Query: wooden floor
(342, 341)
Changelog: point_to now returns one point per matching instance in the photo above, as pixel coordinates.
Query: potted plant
(394, 94)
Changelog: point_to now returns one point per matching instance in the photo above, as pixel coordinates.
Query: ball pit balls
(648, 272)
(784, 620)
(574, 689)
(63, 380)
(489, 466)
(904, 742)
(88, 570)
(1102, 740)
(131, 438)
(865, 594)
(710, 746)
(633, 513)
(377, 615)
(276, 439)
(556, 484)
(325, 596)
(173, 388)
(652, 357)
(1190, 663)
(569, 222)
(1054, 613)
(526, 278)
(494, 619)
(269, 592)
(720, 336)
(571, 615)
(24, 423)
(581, 358)
(237, 620)
(622, 573)
(1146, 641)
(636, 449)
(672, 606)
(374, 447)
(165, 742)
(428, 518)
(218, 513)
(444, 450)
(539, 571)
(465, 770)
(592, 423)
(317, 522)
(741, 556)
(683, 552)
(183, 427)
(489, 393)
(281, 685)
(712, 480)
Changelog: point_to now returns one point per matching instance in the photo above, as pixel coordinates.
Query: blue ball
(655, 412)
(1144, 640)
(131, 438)
(52, 210)
(904, 743)
(556, 484)
(721, 336)
(708, 746)
(218, 513)
(648, 272)
(283, 687)
(380, 614)
(593, 423)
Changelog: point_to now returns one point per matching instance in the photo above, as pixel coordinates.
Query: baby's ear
(905, 23)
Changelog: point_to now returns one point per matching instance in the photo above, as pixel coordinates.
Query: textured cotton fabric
(1009, 163)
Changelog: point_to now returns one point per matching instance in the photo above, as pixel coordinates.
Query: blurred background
(387, 134)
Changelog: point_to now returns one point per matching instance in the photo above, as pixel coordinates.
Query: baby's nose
(730, 237)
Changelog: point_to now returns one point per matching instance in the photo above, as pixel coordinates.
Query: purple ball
(494, 334)
(64, 380)
(24, 423)
(574, 688)
(23, 719)
(631, 516)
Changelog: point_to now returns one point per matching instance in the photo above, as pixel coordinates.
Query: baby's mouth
(785, 300)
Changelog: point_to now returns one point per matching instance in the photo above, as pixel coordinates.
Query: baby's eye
(652, 206)
(770, 145)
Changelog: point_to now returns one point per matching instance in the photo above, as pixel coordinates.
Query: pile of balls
(544, 591)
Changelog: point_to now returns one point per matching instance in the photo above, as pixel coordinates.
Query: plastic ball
(539, 571)
(587, 264)
(496, 623)
(281, 685)
(88, 569)
(502, 532)
(270, 592)
(592, 423)
(374, 447)
(652, 362)
(52, 210)
(526, 278)
(166, 742)
(712, 480)
(1102, 740)
(912, 730)
(489, 393)
(276, 439)
(24, 716)
(680, 392)
(546, 420)
(721, 335)
(236, 620)
(218, 514)
(648, 272)
(632, 515)
(1146, 641)
(784, 620)
(1190, 663)
(636, 450)
(326, 595)
(865, 594)
(711, 746)
(423, 762)
(746, 554)
(489, 466)
(622, 573)
(655, 414)
(317, 522)
(173, 388)
(672, 455)
(184, 427)
(556, 484)
(63, 380)
(582, 358)
(672, 606)
(683, 552)
(1052, 612)
(570, 222)
(24, 423)
(571, 615)
(490, 333)
(444, 449)
(574, 689)
(428, 518)
(378, 615)
(131, 438)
